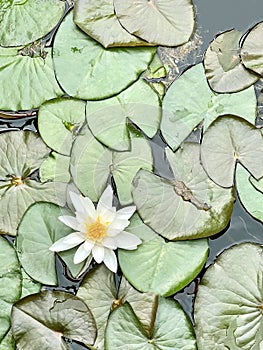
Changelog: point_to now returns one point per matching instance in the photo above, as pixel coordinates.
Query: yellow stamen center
(16, 181)
(96, 231)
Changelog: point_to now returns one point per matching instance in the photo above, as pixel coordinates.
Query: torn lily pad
(27, 75)
(24, 21)
(189, 205)
(108, 119)
(227, 141)
(21, 155)
(92, 163)
(228, 305)
(223, 66)
(166, 22)
(81, 62)
(51, 316)
(189, 101)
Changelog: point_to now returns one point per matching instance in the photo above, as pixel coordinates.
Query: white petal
(67, 242)
(108, 215)
(70, 221)
(77, 202)
(105, 201)
(110, 260)
(98, 253)
(88, 245)
(119, 224)
(89, 206)
(109, 242)
(126, 213)
(126, 240)
(81, 254)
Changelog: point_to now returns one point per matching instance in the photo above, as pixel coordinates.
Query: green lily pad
(28, 77)
(8, 342)
(189, 101)
(166, 22)
(24, 21)
(10, 289)
(250, 192)
(107, 119)
(92, 164)
(190, 205)
(228, 306)
(159, 266)
(48, 316)
(55, 168)
(29, 286)
(34, 239)
(171, 329)
(59, 121)
(252, 49)
(101, 23)
(228, 140)
(98, 291)
(21, 154)
(80, 62)
(223, 66)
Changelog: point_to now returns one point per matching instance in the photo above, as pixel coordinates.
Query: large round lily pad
(223, 66)
(24, 21)
(228, 306)
(48, 316)
(188, 206)
(81, 62)
(189, 101)
(160, 22)
(227, 141)
(171, 329)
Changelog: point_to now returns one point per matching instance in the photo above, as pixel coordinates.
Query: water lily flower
(97, 231)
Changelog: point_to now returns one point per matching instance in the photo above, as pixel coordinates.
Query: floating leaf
(101, 23)
(21, 154)
(252, 49)
(59, 121)
(228, 140)
(158, 266)
(29, 79)
(107, 119)
(90, 63)
(92, 163)
(166, 22)
(187, 207)
(228, 306)
(55, 168)
(190, 101)
(29, 286)
(99, 292)
(8, 342)
(48, 316)
(24, 21)
(171, 329)
(35, 237)
(223, 66)
(250, 192)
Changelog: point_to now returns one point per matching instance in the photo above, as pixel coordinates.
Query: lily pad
(80, 62)
(166, 22)
(34, 239)
(108, 119)
(92, 164)
(98, 291)
(252, 49)
(48, 316)
(223, 66)
(159, 266)
(21, 154)
(38, 17)
(250, 192)
(190, 205)
(29, 286)
(59, 121)
(189, 101)
(55, 168)
(101, 23)
(171, 329)
(228, 306)
(10, 289)
(26, 76)
(227, 141)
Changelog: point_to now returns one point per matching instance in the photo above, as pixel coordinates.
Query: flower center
(16, 181)
(96, 231)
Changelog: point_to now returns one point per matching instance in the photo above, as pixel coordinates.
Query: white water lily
(97, 231)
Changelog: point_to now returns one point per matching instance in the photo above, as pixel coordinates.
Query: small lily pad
(48, 316)
(227, 141)
(228, 305)
(223, 66)
(166, 22)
